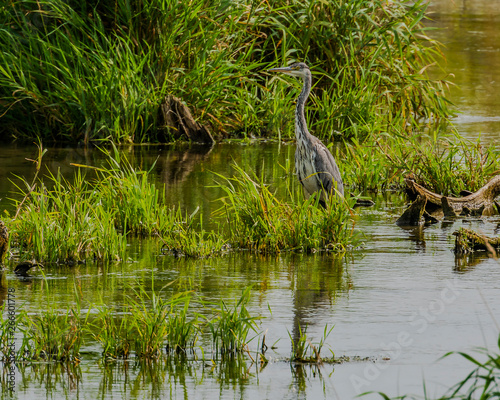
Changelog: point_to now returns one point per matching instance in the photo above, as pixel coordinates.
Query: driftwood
(480, 203)
(416, 214)
(178, 120)
(467, 241)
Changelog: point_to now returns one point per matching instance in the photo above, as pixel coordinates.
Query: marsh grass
(230, 327)
(54, 335)
(113, 332)
(186, 237)
(445, 164)
(80, 71)
(65, 222)
(260, 221)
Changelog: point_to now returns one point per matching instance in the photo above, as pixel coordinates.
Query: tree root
(178, 120)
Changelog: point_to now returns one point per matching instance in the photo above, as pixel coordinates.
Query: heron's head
(300, 70)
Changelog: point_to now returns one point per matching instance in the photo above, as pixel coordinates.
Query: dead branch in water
(468, 241)
(479, 203)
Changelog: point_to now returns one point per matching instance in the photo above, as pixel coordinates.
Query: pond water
(403, 299)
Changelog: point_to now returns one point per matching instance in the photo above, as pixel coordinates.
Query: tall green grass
(259, 220)
(81, 71)
(231, 326)
(63, 221)
(445, 164)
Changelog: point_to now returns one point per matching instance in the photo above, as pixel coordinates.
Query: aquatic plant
(182, 333)
(113, 332)
(230, 327)
(258, 220)
(304, 351)
(78, 71)
(61, 221)
(185, 236)
(54, 335)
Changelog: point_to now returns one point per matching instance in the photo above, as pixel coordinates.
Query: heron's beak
(286, 70)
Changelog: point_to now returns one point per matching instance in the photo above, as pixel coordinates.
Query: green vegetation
(59, 221)
(230, 328)
(83, 71)
(444, 164)
(304, 351)
(258, 220)
(150, 326)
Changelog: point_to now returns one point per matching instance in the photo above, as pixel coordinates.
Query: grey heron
(315, 166)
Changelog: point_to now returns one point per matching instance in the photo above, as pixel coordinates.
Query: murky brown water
(404, 295)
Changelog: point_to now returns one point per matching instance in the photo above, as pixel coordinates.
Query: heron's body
(315, 166)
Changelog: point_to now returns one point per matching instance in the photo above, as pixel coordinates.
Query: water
(403, 300)
(469, 32)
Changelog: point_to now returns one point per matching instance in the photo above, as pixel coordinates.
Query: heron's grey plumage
(314, 164)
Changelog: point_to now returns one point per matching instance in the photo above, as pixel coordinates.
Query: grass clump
(231, 326)
(61, 221)
(188, 238)
(304, 351)
(258, 220)
(54, 335)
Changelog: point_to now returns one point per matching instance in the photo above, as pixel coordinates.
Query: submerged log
(467, 241)
(178, 119)
(481, 202)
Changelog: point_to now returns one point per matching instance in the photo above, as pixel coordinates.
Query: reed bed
(151, 325)
(67, 222)
(80, 71)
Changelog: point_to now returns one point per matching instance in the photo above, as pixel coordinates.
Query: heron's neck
(301, 131)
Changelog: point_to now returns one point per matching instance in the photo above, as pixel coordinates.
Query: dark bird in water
(4, 241)
(23, 267)
(314, 164)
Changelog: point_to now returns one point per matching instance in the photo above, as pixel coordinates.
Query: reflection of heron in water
(314, 164)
